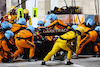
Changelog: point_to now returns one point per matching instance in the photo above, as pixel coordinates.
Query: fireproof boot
(69, 63)
(43, 63)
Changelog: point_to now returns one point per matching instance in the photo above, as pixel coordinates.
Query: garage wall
(88, 6)
(43, 8)
(2, 7)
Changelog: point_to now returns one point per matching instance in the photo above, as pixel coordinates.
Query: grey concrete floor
(86, 61)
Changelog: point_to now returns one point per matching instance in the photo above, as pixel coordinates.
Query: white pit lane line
(76, 65)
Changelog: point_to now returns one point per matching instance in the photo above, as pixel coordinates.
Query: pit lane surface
(85, 61)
